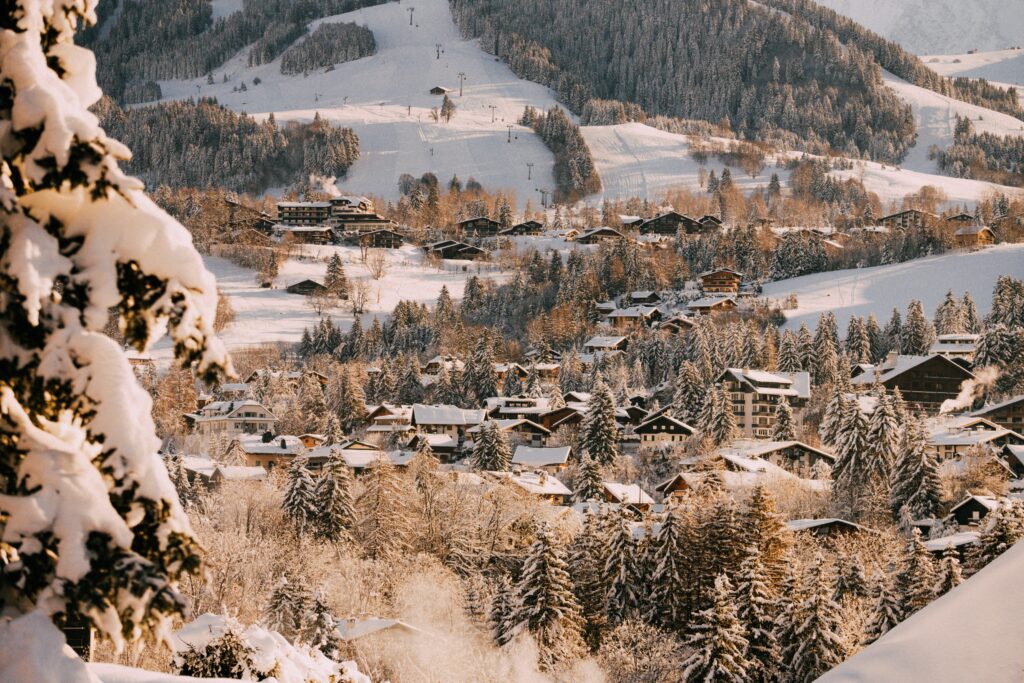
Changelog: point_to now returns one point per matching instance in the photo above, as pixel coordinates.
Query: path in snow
(877, 290)
(385, 99)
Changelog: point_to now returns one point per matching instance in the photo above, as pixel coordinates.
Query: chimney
(284, 446)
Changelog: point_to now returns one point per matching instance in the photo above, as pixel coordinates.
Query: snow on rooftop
(529, 456)
(537, 483)
(629, 494)
(937, 545)
(446, 415)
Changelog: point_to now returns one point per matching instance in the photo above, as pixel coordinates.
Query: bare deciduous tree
(358, 296)
(377, 264)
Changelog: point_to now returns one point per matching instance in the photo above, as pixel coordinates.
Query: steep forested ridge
(761, 70)
(201, 144)
(163, 39)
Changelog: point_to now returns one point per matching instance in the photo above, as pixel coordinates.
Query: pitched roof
(446, 415)
(629, 494)
(537, 483)
(528, 456)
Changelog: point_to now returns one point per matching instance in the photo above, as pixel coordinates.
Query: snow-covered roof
(299, 205)
(207, 468)
(507, 425)
(279, 445)
(354, 629)
(633, 312)
(604, 342)
(937, 545)
(984, 410)
(893, 368)
(805, 524)
(709, 302)
(988, 502)
(537, 483)
(972, 230)
(627, 494)
(446, 415)
(528, 456)
(757, 448)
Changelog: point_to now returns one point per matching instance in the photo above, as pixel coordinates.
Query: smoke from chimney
(971, 389)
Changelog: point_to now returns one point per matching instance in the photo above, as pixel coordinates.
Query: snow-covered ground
(939, 26)
(877, 290)
(1002, 66)
(973, 633)
(385, 98)
(274, 315)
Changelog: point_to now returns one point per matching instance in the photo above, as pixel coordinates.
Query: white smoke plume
(971, 389)
(325, 184)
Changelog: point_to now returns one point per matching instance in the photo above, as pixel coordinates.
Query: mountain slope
(939, 26)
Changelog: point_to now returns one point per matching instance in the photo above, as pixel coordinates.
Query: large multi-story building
(344, 214)
(755, 396)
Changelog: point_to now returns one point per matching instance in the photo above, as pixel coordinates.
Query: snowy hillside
(939, 26)
(877, 290)
(972, 633)
(999, 66)
(385, 99)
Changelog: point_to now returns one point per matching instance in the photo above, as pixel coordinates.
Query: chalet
(961, 542)
(389, 419)
(956, 346)
(668, 223)
(312, 440)
(974, 236)
(435, 365)
(346, 214)
(517, 407)
(306, 288)
(630, 495)
(306, 234)
(359, 456)
(953, 436)
(451, 249)
(382, 239)
(712, 305)
(233, 391)
(710, 223)
(448, 424)
(630, 221)
(926, 381)
(524, 228)
(910, 218)
(755, 396)
(562, 417)
(243, 219)
(292, 377)
(824, 527)
(268, 453)
(634, 316)
(605, 344)
(720, 281)
(663, 429)
(960, 220)
(440, 90)
(1012, 456)
(794, 457)
(517, 431)
(972, 509)
(595, 235)
(539, 484)
(480, 226)
(210, 474)
(1008, 414)
(232, 418)
(550, 459)
(644, 298)
(606, 307)
(678, 324)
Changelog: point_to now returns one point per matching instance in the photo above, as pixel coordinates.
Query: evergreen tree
(383, 522)
(883, 439)
(669, 586)
(784, 428)
(570, 373)
(877, 340)
(533, 387)
(91, 527)
(894, 332)
(916, 484)
(833, 416)
(512, 386)
(481, 381)
(717, 421)
(447, 390)
(347, 400)
(972, 323)
(916, 579)
(755, 608)
(621, 572)
(499, 616)
(949, 316)
(599, 436)
(918, 334)
(335, 280)
(586, 566)
(950, 574)
(590, 483)
(790, 357)
(179, 477)
(336, 516)
(321, 629)
(545, 605)
(767, 531)
(312, 404)
(288, 607)
(332, 431)
(299, 503)
(491, 451)
(690, 392)
(818, 618)
(718, 644)
(851, 581)
(1003, 527)
(851, 470)
(886, 607)
(858, 343)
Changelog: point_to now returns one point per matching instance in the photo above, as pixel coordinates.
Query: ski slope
(939, 26)
(1001, 66)
(385, 99)
(973, 633)
(877, 290)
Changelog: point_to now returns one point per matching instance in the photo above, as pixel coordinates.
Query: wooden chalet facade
(306, 234)
(452, 249)
(924, 381)
(712, 305)
(1008, 414)
(960, 220)
(596, 235)
(479, 226)
(382, 239)
(709, 223)
(720, 281)
(910, 218)
(972, 509)
(663, 429)
(974, 236)
(669, 223)
(634, 316)
(824, 527)
(524, 228)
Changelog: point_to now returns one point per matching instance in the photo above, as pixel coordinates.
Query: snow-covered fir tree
(300, 500)
(586, 567)
(512, 386)
(689, 395)
(916, 484)
(333, 434)
(917, 334)
(590, 482)
(570, 372)
(850, 580)
(491, 451)
(532, 386)
(756, 601)
(887, 608)
(790, 359)
(765, 528)
(950, 573)
(545, 606)
(347, 401)
(916, 578)
(851, 471)
(382, 514)
(717, 641)
(717, 421)
(669, 585)
(949, 316)
(818, 619)
(335, 508)
(784, 428)
(335, 280)
(599, 436)
(321, 628)
(87, 510)
(312, 404)
(288, 607)
(1002, 528)
(479, 377)
(499, 615)
(621, 570)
